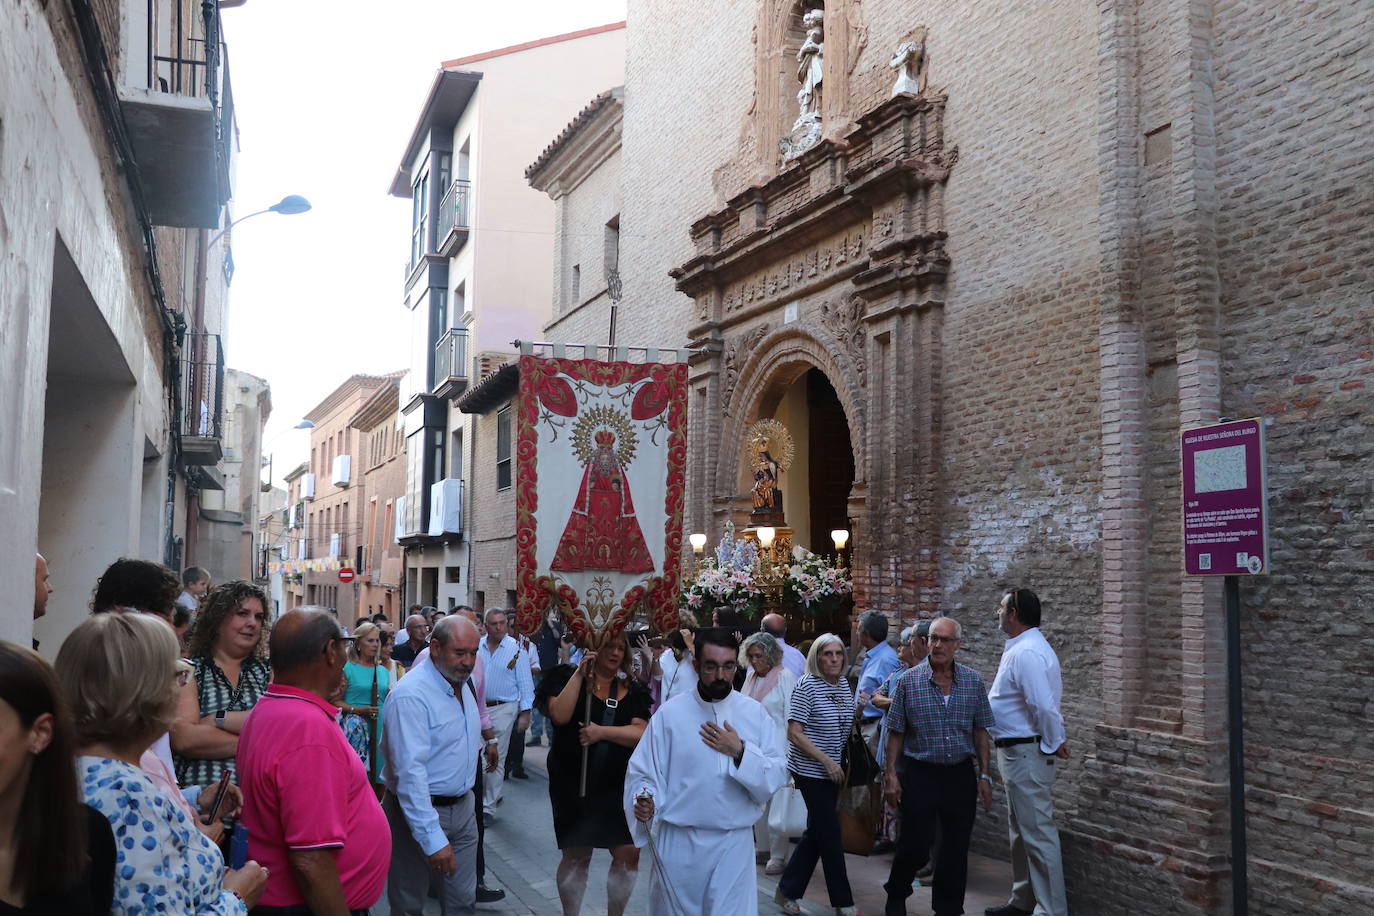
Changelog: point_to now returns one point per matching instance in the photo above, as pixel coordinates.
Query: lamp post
(289, 205)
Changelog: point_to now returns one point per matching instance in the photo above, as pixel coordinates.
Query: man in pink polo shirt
(312, 818)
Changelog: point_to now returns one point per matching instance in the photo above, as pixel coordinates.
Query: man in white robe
(708, 762)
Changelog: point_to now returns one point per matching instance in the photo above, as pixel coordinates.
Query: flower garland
(815, 585)
(726, 581)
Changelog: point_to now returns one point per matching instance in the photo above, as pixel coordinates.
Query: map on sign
(1218, 469)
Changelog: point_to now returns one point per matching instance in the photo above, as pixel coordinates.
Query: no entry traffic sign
(345, 575)
(1225, 517)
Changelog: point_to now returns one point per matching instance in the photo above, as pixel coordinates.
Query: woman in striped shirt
(819, 720)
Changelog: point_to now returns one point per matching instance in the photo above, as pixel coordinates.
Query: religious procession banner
(601, 452)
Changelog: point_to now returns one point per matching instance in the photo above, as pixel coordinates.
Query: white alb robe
(705, 805)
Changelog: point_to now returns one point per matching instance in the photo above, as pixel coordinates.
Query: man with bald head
(312, 819)
(417, 633)
(937, 726)
(432, 735)
(775, 625)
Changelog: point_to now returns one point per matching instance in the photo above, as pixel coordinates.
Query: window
(455, 467)
(452, 574)
(503, 448)
(419, 218)
(575, 289)
(611, 249)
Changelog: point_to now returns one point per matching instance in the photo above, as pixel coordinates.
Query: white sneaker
(790, 907)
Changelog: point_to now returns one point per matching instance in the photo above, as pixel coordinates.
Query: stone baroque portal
(838, 263)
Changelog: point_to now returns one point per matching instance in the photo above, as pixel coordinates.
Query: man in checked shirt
(938, 729)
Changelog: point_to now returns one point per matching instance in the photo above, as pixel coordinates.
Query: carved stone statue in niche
(806, 130)
(811, 67)
(911, 64)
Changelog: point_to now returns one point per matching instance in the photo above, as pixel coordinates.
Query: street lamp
(289, 205)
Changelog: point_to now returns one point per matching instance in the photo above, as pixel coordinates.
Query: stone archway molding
(779, 358)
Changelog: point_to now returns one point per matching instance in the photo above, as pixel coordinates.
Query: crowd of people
(185, 754)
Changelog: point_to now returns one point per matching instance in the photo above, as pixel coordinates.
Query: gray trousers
(409, 879)
(1037, 868)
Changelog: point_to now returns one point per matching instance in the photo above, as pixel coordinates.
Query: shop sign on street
(1225, 519)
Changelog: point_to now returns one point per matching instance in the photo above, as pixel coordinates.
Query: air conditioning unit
(307, 486)
(343, 469)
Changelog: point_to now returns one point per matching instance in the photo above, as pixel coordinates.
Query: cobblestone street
(522, 858)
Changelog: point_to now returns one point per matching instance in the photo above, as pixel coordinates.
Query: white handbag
(787, 812)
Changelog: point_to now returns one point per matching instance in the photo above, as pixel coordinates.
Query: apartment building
(116, 157)
(478, 279)
(381, 451)
(333, 498)
(225, 533)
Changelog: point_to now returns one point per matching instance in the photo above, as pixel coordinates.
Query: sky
(326, 95)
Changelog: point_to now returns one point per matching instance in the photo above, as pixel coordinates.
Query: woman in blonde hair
(120, 674)
(368, 684)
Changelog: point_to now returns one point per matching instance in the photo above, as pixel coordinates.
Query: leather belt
(498, 702)
(446, 801)
(1012, 742)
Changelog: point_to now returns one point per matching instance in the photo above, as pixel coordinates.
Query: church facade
(985, 264)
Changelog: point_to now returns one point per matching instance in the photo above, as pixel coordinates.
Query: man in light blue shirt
(880, 660)
(510, 697)
(432, 735)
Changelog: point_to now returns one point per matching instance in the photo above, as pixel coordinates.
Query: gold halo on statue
(774, 434)
(589, 421)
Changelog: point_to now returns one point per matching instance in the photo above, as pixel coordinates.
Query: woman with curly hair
(230, 672)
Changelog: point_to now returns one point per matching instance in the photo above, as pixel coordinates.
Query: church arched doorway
(816, 487)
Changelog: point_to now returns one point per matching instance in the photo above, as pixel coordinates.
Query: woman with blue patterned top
(230, 672)
(120, 673)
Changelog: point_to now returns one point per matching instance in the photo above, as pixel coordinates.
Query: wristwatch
(219, 718)
(491, 741)
(985, 776)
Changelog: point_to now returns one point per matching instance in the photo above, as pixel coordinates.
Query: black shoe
(519, 774)
(1006, 909)
(489, 894)
(882, 846)
(533, 742)
(487, 819)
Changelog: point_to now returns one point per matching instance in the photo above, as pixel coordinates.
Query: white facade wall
(84, 495)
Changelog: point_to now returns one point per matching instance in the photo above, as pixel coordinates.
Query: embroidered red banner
(601, 451)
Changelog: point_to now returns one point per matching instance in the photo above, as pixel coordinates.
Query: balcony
(451, 364)
(202, 400)
(454, 212)
(181, 121)
(446, 508)
(343, 471)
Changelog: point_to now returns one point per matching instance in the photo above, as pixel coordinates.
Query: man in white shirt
(1029, 735)
(706, 765)
(775, 625)
(432, 734)
(510, 697)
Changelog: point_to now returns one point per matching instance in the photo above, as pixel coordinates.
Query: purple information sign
(1225, 519)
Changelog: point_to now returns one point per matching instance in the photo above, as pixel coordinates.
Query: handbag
(787, 812)
(860, 811)
(857, 761)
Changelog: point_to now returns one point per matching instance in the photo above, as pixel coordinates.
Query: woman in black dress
(619, 712)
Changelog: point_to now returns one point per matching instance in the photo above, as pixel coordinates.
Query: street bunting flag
(601, 451)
